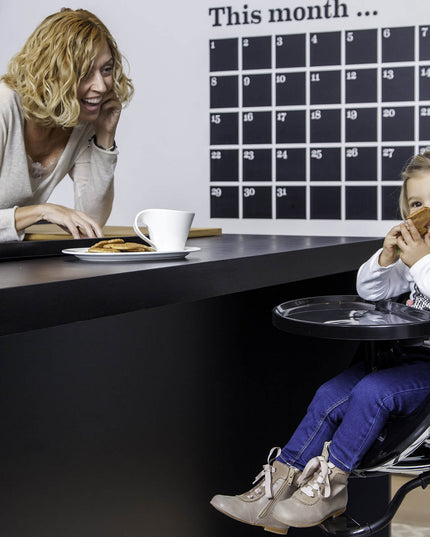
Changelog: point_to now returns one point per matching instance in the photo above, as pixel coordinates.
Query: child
(306, 482)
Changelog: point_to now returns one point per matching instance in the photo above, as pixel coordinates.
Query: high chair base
(345, 526)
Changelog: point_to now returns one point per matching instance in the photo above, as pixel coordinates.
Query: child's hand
(390, 250)
(413, 247)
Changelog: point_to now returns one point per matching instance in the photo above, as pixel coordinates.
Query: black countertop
(43, 292)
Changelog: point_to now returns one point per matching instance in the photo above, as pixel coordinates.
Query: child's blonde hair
(417, 165)
(54, 60)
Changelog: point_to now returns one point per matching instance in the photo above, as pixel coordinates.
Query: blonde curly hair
(55, 59)
(418, 165)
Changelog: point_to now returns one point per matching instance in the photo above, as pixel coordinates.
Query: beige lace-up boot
(276, 482)
(322, 494)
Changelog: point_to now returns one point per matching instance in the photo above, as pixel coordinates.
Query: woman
(60, 103)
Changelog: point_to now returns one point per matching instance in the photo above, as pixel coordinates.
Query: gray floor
(404, 530)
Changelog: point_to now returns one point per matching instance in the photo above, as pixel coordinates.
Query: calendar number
(388, 152)
(248, 192)
(216, 192)
(389, 113)
(352, 152)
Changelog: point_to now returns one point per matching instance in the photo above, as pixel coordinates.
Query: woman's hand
(107, 120)
(77, 223)
(390, 251)
(413, 247)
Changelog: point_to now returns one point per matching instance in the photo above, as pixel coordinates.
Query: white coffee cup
(168, 229)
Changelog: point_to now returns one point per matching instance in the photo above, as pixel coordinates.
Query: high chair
(404, 444)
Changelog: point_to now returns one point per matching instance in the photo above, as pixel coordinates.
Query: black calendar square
(290, 50)
(398, 123)
(425, 83)
(291, 164)
(291, 202)
(257, 127)
(224, 164)
(257, 201)
(398, 84)
(361, 164)
(361, 46)
(325, 202)
(325, 87)
(394, 159)
(257, 52)
(224, 128)
(224, 201)
(424, 40)
(424, 112)
(361, 203)
(224, 91)
(390, 203)
(398, 44)
(325, 48)
(290, 89)
(291, 127)
(257, 164)
(257, 90)
(361, 86)
(361, 124)
(223, 54)
(325, 164)
(325, 126)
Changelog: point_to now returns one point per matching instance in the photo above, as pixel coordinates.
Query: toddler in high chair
(305, 482)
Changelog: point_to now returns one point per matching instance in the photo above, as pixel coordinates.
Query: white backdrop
(163, 135)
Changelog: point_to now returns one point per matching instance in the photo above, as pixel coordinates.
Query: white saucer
(84, 255)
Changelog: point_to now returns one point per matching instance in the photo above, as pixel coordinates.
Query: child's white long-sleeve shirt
(377, 283)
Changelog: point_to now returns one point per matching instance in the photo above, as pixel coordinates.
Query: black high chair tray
(349, 317)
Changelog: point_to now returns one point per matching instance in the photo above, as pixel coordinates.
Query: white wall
(163, 135)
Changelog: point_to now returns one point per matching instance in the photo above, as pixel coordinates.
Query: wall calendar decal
(316, 125)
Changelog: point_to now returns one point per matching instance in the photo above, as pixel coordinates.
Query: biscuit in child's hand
(421, 219)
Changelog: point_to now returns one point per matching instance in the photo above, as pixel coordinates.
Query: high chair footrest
(344, 525)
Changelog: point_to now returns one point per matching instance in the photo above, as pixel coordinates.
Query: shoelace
(315, 477)
(267, 472)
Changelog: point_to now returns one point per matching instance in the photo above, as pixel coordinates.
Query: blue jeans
(352, 408)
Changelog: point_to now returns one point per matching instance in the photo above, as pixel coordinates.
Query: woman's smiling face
(96, 84)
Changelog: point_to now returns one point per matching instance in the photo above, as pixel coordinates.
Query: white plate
(82, 253)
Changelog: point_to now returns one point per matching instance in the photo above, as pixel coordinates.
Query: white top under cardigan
(91, 169)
